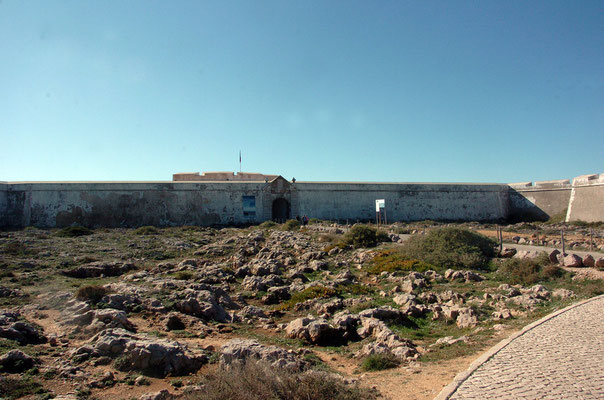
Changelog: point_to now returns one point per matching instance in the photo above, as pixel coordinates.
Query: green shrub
(557, 218)
(379, 362)
(74, 231)
(313, 292)
(314, 221)
(364, 236)
(92, 293)
(528, 272)
(392, 260)
(450, 248)
(18, 249)
(184, 275)
(268, 224)
(291, 225)
(259, 381)
(18, 387)
(146, 230)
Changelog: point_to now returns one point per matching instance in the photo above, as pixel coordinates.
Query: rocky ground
(147, 313)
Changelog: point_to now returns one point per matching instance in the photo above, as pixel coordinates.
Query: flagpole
(239, 160)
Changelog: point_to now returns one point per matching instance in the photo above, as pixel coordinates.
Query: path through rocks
(558, 357)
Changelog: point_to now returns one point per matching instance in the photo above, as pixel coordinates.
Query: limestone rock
(200, 303)
(553, 256)
(563, 293)
(14, 329)
(161, 395)
(573, 260)
(276, 294)
(97, 269)
(467, 318)
(16, 361)
(386, 341)
(315, 331)
(142, 353)
(239, 351)
(507, 252)
(589, 261)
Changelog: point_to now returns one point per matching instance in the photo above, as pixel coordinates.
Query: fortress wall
(539, 201)
(587, 199)
(116, 204)
(3, 203)
(404, 201)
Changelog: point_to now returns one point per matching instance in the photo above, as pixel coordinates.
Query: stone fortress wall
(241, 201)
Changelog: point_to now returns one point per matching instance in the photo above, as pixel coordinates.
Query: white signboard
(380, 203)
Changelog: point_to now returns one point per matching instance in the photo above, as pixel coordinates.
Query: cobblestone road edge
(451, 388)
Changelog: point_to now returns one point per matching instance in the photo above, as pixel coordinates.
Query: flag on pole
(239, 156)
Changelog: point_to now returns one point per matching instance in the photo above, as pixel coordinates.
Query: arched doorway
(281, 210)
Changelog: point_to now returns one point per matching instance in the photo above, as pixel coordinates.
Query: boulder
(502, 314)
(202, 304)
(405, 300)
(599, 263)
(80, 314)
(553, 256)
(466, 318)
(16, 361)
(96, 269)
(261, 284)
(563, 293)
(386, 341)
(251, 312)
(383, 314)
(161, 395)
(276, 294)
(507, 252)
(141, 353)
(240, 351)
(573, 261)
(8, 292)
(589, 261)
(330, 306)
(314, 331)
(21, 331)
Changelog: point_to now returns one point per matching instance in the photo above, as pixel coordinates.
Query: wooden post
(500, 237)
(563, 247)
(591, 238)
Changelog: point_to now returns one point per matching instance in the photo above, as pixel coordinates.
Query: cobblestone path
(562, 358)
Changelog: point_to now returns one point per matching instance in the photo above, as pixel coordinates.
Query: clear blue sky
(445, 91)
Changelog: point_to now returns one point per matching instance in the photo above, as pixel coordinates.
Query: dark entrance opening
(281, 210)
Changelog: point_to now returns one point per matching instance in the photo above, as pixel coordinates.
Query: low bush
(146, 230)
(258, 381)
(19, 387)
(184, 275)
(392, 261)
(74, 231)
(528, 272)
(267, 224)
(313, 292)
(92, 293)
(291, 225)
(364, 236)
(379, 362)
(18, 249)
(450, 248)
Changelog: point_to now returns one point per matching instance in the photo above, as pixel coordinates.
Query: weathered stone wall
(587, 199)
(404, 201)
(538, 201)
(3, 203)
(127, 204)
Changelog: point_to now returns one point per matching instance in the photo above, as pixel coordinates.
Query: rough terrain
(122, 313)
